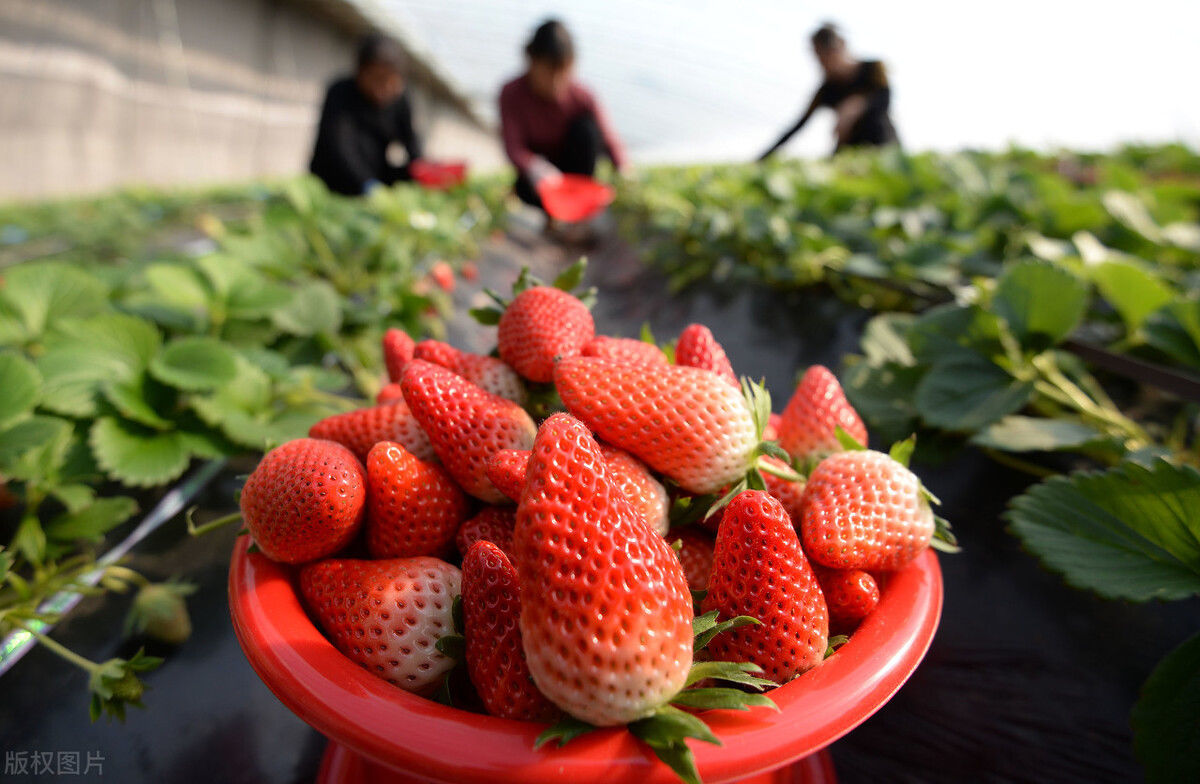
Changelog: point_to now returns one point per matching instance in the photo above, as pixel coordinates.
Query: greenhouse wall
(100, 93)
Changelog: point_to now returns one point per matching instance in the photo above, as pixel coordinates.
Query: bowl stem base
(340, 765)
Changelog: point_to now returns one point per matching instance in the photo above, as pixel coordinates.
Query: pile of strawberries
(652, 537)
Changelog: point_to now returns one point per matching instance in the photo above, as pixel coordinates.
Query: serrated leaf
(29, 540)
(1042, 302)
(883, 340)
(733, 672)
(1131, 532)
(93, 521)
(570, 278)
(195, 363)
(709, 627)
(1166, 723)
(1174, 329)
(1016, 433)
(180, 287)
(42, 292)
(20, 387)
(73, 496)
(846, 441)
(140, 399)
(721, 699)
(84, 354)
(669, 726)
(902, 451)
(34, 449)
(1133, 290)
(565, 730)
(315, 309)
(135, 455)
(968, 392)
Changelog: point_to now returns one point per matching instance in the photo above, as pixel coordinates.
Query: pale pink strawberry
(465, 424)
(686, 423)
(808, 427)
(485, 372)
(699, 349)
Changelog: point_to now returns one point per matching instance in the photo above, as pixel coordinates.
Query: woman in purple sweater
(550, 122)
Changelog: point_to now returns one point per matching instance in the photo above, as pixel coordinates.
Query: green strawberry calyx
(667, 729)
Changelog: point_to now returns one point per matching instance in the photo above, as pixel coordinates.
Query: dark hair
(379, 48)
(827, 36)
(551, 43)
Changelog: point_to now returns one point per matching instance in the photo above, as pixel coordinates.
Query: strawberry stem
(777, 470)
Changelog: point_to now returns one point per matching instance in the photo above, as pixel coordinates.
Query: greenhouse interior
(397, 392)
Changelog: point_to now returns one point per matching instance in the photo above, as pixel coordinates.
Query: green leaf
(721, 699)
(83, 355)
(315, 309)
(565, 730)
(1133, 290)
(968, 392)
(570, 278)
(487, 317)
(452, 645)
(733, 672)
(846, 441)
(73, 496)
(35, 448)
(1131, 532)
(705, 627)
(93, 521)
(20, 385)
(30, 540)
(665, 733)
(140, 399)
(195, 363)
(1174, 330)
(1166, 722)
(902, 451)
(1041, 302)
(883, 340)
(1016, 433)
(180, 287)
(135, 455)
(42, 292)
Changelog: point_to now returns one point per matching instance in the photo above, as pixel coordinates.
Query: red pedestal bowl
(382, 734)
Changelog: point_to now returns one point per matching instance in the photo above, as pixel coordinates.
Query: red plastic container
(574, 197)
(438, 175)
(384, 735)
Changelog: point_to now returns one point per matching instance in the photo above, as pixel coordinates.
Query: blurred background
(97, 93)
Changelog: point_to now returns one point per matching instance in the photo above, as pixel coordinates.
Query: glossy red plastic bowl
(382, 728)
(574, 197)
(438, 175)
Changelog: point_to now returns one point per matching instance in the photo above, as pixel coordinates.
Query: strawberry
(606, 616)
(389, 393)
(507, 467)
(785, 491)
(397, 352)
(493, 524)
(362, 429)
(864, 510)
(486, 372)
(442, 275)
(699, 349)
(851, 594)
(470, 271)
(413, 507)
(387, 615)
(633, 480)
(491, 607)
(695, 553)
(465, 424)
(304, 500)
(539, 325)
(759, 570)
(808, 427)
(506, 470)
(686, 423)
(771, 431)
(626, 350)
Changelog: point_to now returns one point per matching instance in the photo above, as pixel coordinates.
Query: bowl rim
(400, 730)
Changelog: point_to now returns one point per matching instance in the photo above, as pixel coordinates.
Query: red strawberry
(851, 594)
(771, 431)
(807, 430)
(787, 492)
(699, 349)
(362, 429)
(486, 372)
(465, 424)
(864, 510)
(491, 606)
(695, 552)
(540, 324)
(413, 507)
(387, 615)
(759, 570)
(686, 423)
(390, 393)
(606, 615)
(506, 469)
(493, 524)
(626, 350)
(304, 500)
(633, 480)
(470, 272)
(397, 352)
(442, 275)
